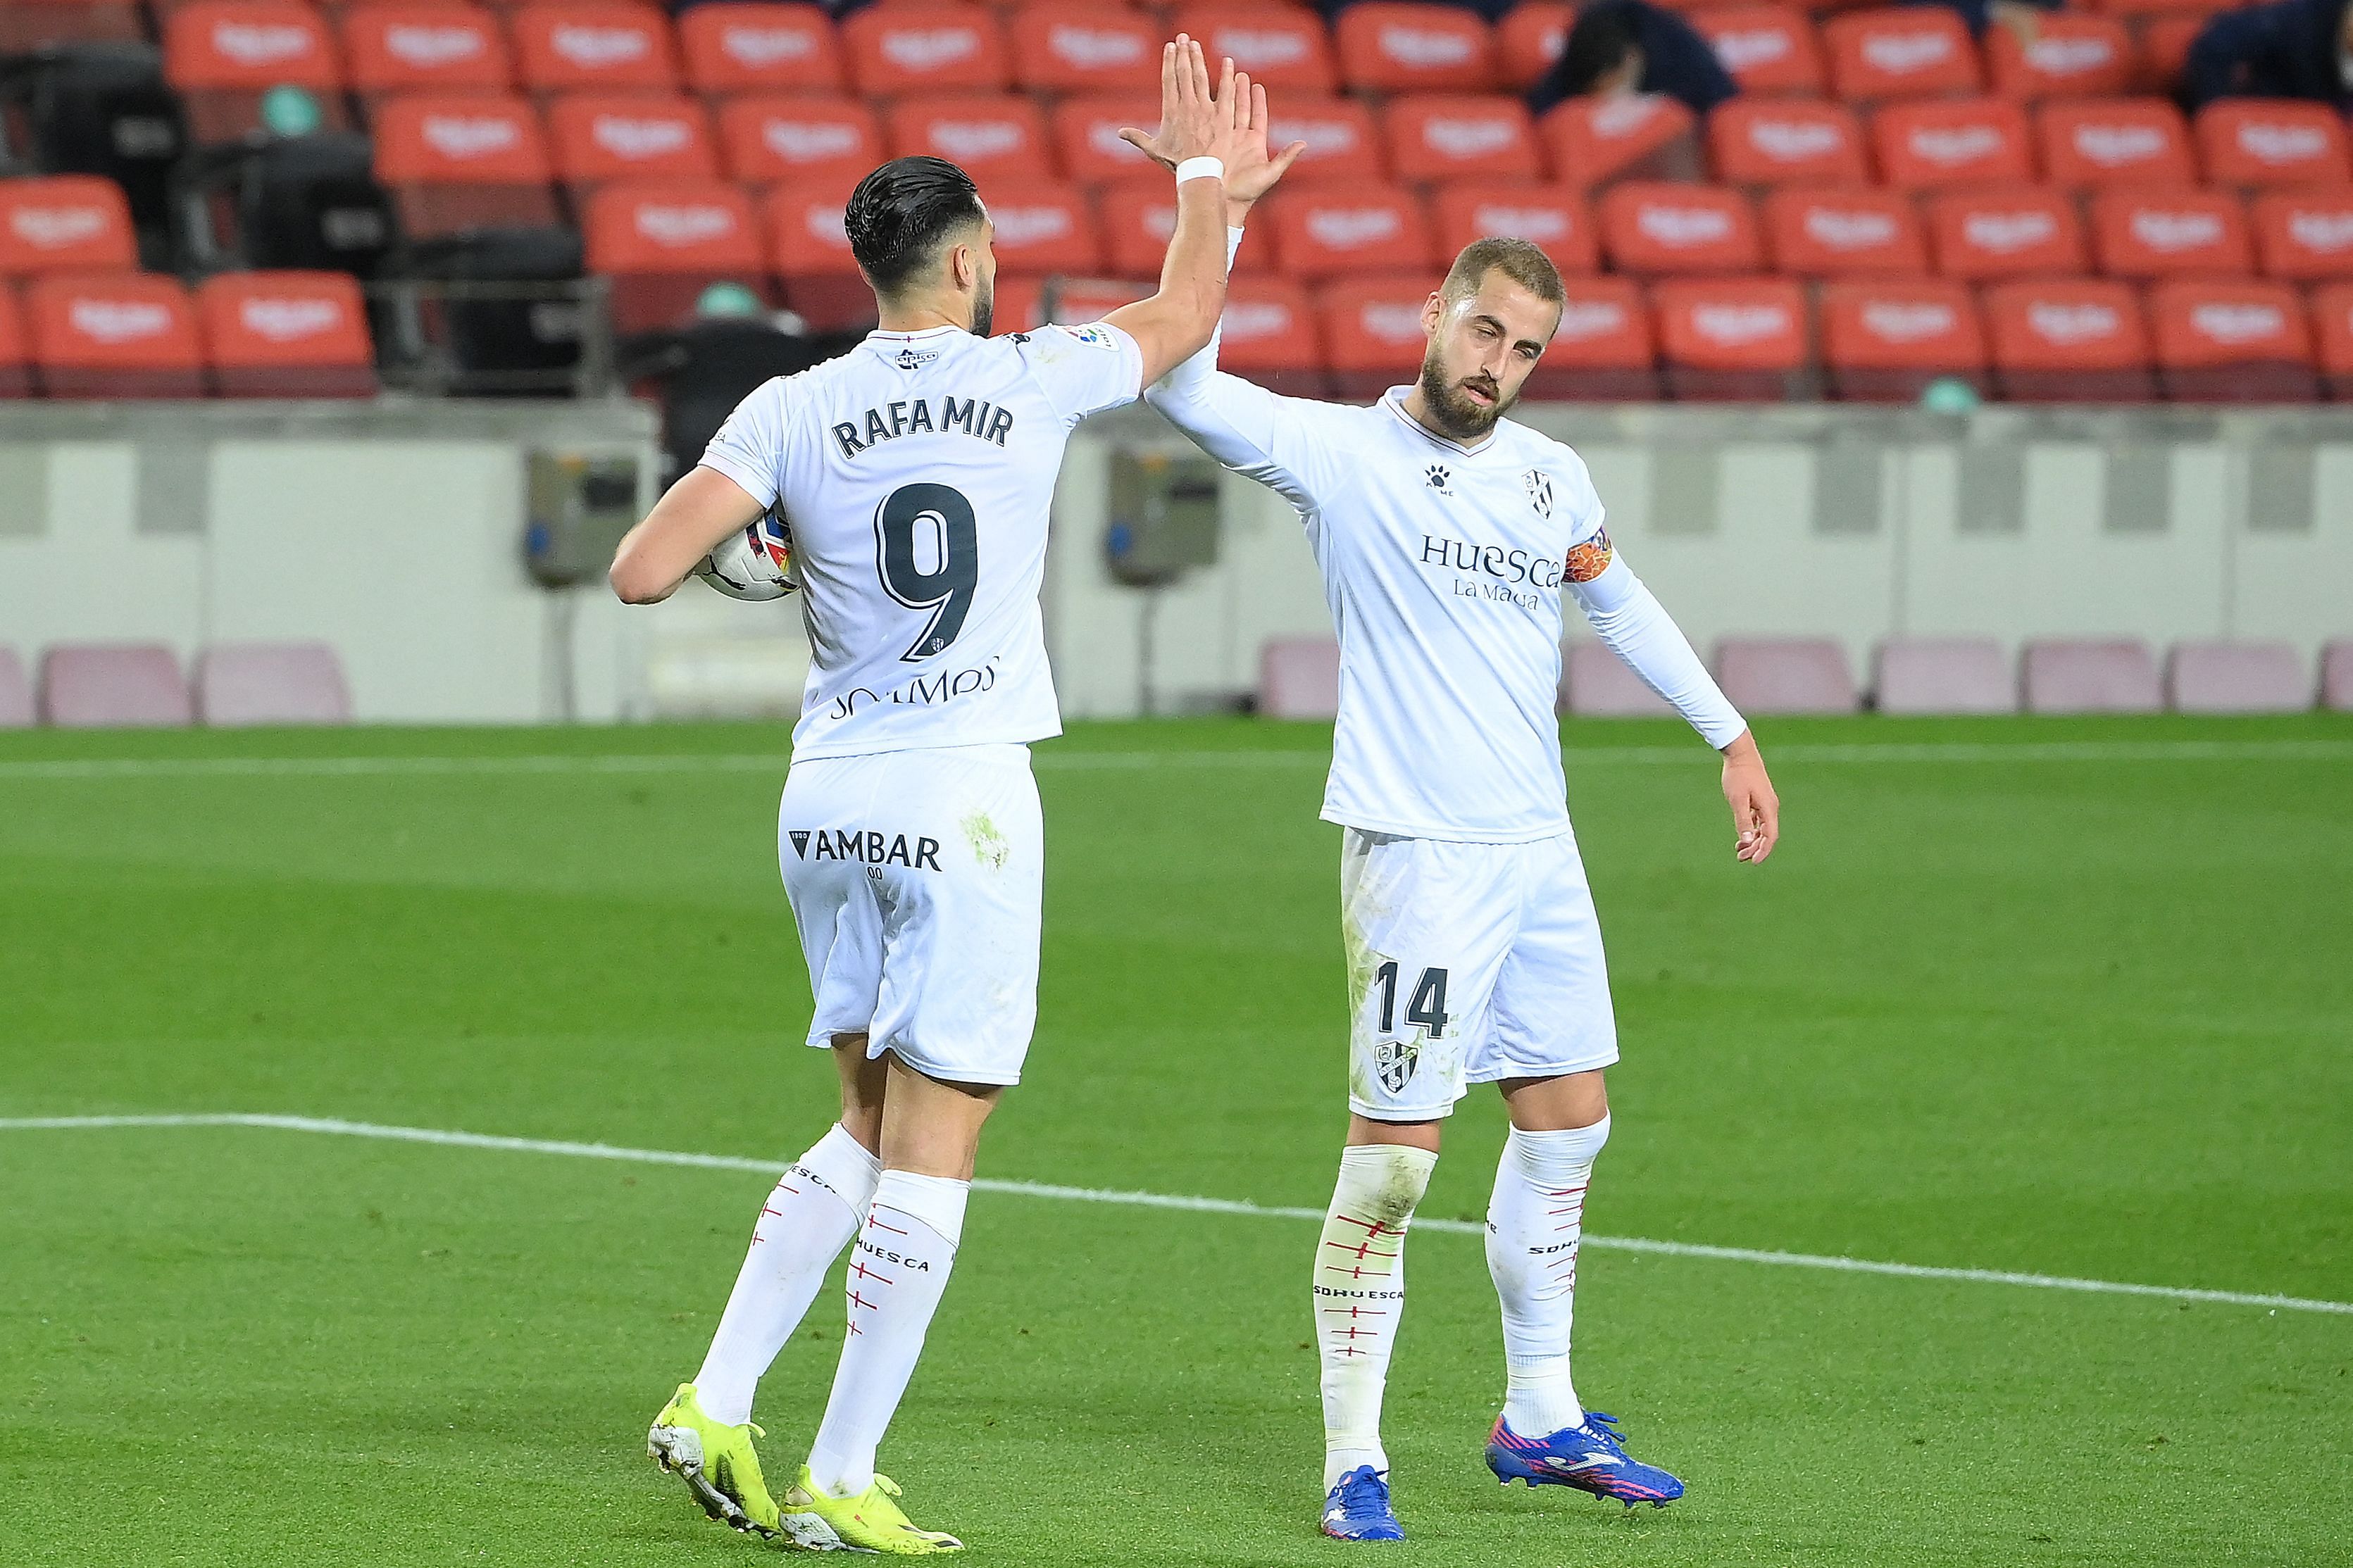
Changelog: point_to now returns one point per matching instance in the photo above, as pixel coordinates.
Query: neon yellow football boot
(717, 1463)
(870, 1521)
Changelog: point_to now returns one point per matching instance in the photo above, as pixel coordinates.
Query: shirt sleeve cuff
(760, 487)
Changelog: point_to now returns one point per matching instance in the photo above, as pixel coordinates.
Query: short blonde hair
(1523, 262)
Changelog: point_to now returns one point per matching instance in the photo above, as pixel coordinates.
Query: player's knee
(1388, 1179)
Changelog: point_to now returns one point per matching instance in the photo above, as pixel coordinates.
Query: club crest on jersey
(1539, 485)
(1395, 1061)
(1436, 475)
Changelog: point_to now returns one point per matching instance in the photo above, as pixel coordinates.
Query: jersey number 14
(947, 588)
(1426, 1007)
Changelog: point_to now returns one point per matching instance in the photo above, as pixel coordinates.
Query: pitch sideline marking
(1168, 1201)
(1057, 760)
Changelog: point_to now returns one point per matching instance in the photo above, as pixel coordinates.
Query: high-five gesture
(1195, 123)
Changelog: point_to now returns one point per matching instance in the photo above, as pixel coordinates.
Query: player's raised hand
(1756, 809)
(1196, 121)
(1251, 170)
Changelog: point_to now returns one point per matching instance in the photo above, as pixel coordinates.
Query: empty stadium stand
(1889, 200)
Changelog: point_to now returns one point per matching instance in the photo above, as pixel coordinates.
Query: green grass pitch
(2074, 998)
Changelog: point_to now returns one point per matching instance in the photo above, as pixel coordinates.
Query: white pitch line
(1057, 760)
(1169, 1201)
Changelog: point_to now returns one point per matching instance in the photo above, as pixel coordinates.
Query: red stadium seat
(759, 47)
(271, 683)
(1323, 233)
(2030, 233)
(1663, 228)
(2220, 676)
(820, 277)
(1597, 141)
(2236, 342)
(64, 223)
(1018, 306)
(16, 381)
(1941, 144)
(1044, 228)
(663, 242)
(1926, 676)
(1786, 675)
(1373, 335)
(1268, 334)
(1780, 141)
(2105, 141)
(1087, 139)
(1885, 339)
(1843, 233)
(25, 28)
(564, 45)
(1556, 219)
(222, 55)
(2071, 676)
(2141, 231)
(456, 162)
(2273, 141)
(1138, 220)
(600, 136)
(424, 46)
(2165, 44)
(1388, 47)
(1341, 143)
(990, 136)
(2070, 341)
(1768, 49)
(2072, 55)
(115, 335)
(2135, 11)
(896, 51)
(1904, 51)
(2332, 322)
(1529, 37)
(1437, 137)
(807, 140)
(92, 685)
(1069, 301)
(1070, 45)
(1282, 48)
(1603, 350)
(1731, 339)
(286, 334)
(2305, 235)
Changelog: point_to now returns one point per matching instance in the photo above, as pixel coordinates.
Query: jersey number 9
(911, 512)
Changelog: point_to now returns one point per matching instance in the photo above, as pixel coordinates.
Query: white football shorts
(1467, 963)
(915, 877)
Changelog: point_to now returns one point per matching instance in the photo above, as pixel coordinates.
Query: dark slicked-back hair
(900, 216)
(1523, 263)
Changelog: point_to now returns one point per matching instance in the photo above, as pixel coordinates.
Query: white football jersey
(916, 473)
(1444, 567)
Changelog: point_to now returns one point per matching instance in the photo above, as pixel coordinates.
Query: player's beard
(1453, 410)
(984, 307)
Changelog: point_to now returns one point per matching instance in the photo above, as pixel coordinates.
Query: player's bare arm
(1195, 123)
(1756, 809)
(694, 517)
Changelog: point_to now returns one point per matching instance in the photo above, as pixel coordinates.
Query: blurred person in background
(2293, 48)
(1619, 47)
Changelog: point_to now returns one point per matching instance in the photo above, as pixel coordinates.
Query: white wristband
(1200, 169)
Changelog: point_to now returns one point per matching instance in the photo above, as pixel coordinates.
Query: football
(752, 563)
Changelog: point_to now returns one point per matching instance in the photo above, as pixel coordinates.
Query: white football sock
(806, 1222)
(897, 1271)
(1360, 1295)
(1533, 1225)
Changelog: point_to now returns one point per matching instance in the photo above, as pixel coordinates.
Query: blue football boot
(1357, 1508)
(1589, 1457)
